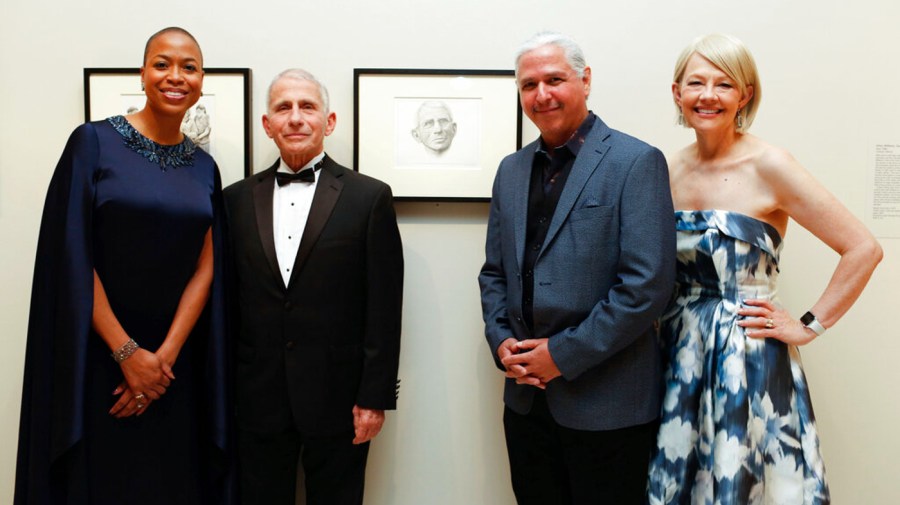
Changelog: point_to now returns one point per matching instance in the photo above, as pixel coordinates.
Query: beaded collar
(178, 155)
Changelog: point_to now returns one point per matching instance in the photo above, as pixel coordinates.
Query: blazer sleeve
(492, 279)
(645, 272)
(384, 300)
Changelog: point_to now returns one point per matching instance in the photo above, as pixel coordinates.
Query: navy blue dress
(136, 212)
(737, 424)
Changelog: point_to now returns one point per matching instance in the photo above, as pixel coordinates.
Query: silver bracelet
(125, 352)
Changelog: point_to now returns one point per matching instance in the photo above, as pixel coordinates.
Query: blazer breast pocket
(595, 212)
(588, 230)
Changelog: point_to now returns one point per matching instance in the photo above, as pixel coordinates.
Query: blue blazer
(604, 274)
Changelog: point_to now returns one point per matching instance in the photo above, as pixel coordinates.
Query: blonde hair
(731, 56)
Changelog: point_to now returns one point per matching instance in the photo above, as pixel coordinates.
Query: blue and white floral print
(737, 424)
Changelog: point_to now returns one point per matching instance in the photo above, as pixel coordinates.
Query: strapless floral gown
(737, 424)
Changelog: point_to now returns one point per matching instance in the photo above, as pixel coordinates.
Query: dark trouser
(334, 468)
(551, 464)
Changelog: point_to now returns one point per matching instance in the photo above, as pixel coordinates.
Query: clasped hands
(147, 375)
(528, 361)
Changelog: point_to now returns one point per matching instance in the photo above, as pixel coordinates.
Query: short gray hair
(571, 49)
(301, 75)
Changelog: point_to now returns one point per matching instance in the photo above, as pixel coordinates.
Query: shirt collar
(576, 140)
(283, 167)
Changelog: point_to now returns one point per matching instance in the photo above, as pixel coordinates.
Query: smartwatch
(809, 320)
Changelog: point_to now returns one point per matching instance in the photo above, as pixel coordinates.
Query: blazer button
(289, 345)
(288, 305)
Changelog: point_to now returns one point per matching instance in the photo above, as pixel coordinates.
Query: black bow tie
(305, 175)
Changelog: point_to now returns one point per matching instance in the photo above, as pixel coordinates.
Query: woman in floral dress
(737, 424)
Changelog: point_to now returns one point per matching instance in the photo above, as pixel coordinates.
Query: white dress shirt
(290, 209)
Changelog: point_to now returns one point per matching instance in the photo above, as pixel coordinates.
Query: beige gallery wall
(831, 71)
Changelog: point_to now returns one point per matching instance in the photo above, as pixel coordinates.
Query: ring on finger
(140, 396)
(770, 323)
(140, 406)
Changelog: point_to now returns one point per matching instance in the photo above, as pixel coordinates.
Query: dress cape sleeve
(218, 364)
(59, 321)
(218, 356)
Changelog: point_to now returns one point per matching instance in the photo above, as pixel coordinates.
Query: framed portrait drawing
(435, 135)
(218, 123)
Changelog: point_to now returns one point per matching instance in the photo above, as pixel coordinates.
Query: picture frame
(219, 122)
(435, 135)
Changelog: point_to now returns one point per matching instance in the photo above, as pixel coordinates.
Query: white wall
(830, 71)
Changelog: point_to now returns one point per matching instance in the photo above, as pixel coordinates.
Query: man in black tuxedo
(319, 269)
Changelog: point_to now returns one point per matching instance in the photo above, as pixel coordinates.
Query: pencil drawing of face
(197, 127)
(435, 127)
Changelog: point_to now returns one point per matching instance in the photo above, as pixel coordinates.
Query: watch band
(809, 320)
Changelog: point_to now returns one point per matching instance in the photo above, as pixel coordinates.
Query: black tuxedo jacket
(307, 353)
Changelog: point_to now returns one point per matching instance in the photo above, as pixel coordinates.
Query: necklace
(178, 155)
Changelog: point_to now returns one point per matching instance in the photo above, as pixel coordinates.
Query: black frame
(431, 194)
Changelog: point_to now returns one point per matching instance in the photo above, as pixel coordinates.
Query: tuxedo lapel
(328, 190)
(586, 163)
(262, 206)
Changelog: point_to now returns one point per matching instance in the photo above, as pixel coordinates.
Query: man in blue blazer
(580, 261)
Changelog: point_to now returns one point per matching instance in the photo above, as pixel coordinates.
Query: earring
(680, 120)
(739, 120)
(142, 86)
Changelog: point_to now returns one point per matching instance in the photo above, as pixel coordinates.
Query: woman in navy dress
(737, 424)
(124, 396)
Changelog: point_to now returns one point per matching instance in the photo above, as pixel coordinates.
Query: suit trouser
(334, 468)
(551, 464)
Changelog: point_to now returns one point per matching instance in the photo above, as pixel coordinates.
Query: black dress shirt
(549, 172)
